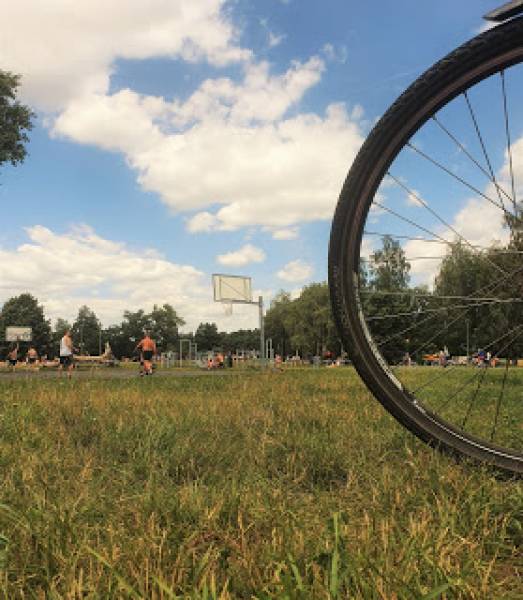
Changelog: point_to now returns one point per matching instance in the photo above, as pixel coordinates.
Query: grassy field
(276, 485)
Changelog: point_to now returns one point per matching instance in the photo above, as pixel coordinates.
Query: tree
(493, 273)
(164, 323)
(310, 321)
(275, 323)
(86, 331)
(243, 339)
(389, 305)
(207, 337)
(15, 120)
(25, 311)
(389, 270)
(61, 326)
(304, 324)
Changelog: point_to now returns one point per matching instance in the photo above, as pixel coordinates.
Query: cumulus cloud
(290, 233)
(245, 255)
(295, 271)
(66, 50)
(478, 222)
(271, 173)
(235, 153)
(65, 271)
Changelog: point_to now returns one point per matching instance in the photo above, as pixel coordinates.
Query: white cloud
(66, 50)
(479, 223)
(290, 233)
(414, 197)
(203, 221)
(232, 154)
(339, 54)
(295, 271)
(245, 255)
(275, 40)
(273, 174)
(65, 271)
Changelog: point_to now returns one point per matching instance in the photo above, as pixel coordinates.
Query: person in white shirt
(66, 353)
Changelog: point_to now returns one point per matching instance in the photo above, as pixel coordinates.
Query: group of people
(218, 361)
(146, 348)
(31, 357)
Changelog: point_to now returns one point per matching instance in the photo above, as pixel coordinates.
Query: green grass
(277, 485)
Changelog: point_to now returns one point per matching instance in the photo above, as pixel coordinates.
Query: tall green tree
(15, 120)
(243, 339)
(389, 304)
(164, 323)
(276, 324)
(207, 337)
(304, 324)
(310, 321)
(25, 311)
(86, 331)
(490, 275)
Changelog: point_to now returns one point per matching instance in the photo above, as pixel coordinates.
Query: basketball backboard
(232, 288)
(18, 334)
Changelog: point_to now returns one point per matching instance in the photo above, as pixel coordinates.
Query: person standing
(32, 357)
(147, 347)
(12, 356)
(66, 354)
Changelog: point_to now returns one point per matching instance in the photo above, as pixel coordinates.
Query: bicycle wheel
(425, 253)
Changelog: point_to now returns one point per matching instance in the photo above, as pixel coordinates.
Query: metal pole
(262, 332)
(181, 353)
(468, 338)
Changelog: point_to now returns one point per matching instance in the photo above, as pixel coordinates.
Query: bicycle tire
(474, 61)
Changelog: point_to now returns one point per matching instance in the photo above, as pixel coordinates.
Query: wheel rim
(466, 406)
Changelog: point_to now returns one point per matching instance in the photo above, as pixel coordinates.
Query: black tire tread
(348, 215)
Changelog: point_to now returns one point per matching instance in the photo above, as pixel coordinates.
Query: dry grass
(293, 485)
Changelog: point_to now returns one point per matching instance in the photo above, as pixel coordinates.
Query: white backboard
(18, 334)
(232, 288)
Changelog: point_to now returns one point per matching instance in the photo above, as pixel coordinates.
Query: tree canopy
(15, 120)
(24, 311)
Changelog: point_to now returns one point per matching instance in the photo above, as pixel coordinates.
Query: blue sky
(174, 140)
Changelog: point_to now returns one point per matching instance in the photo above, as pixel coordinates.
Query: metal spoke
(461, 180)
(442, 296)
(507, 133)
(413, 194)
(434, 241)
(473, 398)
(415, 239)
(427, 310)
(458, 391)
(480, 137)
(414, 224)
(500, 398)
(451, 368)
(488, 287)
(469, 155)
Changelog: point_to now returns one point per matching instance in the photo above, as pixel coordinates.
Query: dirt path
(108, 373)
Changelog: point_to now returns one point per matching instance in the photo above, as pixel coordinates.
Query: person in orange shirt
(148, 350)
